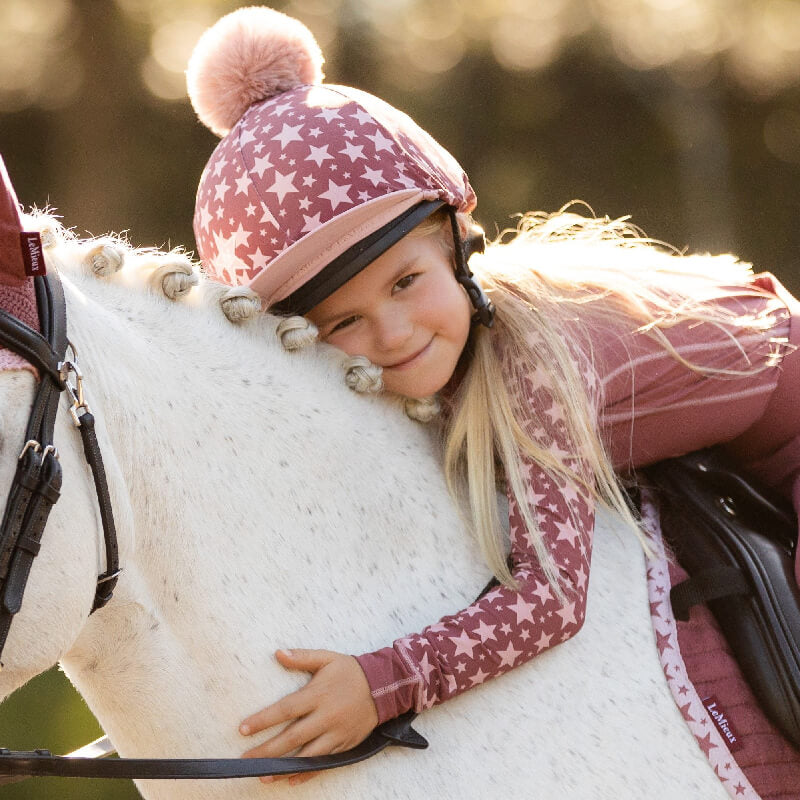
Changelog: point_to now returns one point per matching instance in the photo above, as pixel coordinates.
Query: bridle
(34, 490)
(37, 481)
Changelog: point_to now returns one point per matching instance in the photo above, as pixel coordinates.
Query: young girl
(580, 352)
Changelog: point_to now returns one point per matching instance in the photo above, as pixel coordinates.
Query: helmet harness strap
(475, 242)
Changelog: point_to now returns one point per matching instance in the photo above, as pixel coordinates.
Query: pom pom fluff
(249, 55)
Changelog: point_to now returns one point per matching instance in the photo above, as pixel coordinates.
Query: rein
(34, 490)
(15, 766)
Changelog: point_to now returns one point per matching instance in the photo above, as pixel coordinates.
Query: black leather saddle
(737, 542)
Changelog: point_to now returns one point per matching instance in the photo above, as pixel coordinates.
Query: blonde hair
(542, 277)
(551, 275)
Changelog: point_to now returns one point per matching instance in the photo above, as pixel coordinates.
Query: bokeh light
(756, 42)
(37, 64)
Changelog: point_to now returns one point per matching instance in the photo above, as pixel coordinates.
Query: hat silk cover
(306, 174)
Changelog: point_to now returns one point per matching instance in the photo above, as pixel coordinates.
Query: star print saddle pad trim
(746, 752)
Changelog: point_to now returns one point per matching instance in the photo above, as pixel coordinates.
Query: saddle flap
(736, 541)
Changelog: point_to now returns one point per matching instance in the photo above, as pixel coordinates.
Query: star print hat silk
(311, 181)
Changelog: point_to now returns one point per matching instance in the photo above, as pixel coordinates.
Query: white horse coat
(261, 504)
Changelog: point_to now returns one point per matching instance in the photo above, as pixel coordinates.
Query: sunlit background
(684, 114)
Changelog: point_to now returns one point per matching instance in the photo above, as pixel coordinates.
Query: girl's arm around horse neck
(505, 627)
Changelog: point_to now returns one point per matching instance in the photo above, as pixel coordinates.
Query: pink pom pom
(249, 55)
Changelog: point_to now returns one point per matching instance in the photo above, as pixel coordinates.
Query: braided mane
(171, 274)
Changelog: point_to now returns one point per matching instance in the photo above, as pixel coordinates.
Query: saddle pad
(21, 302)
(745, 750)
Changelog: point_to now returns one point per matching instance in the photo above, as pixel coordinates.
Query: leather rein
(34, 490)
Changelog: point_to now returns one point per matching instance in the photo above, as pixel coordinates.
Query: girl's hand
(334, 711)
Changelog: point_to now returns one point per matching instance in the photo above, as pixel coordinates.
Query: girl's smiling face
(404, 312)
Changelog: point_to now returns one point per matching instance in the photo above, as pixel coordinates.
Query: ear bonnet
(310, 182)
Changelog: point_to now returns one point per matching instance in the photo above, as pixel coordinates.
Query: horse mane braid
(171, 274)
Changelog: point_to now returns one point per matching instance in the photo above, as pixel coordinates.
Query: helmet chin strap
(475, 242)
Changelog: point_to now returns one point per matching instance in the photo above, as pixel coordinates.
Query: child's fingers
(293, 737)
(306, 660)
(271, 715)
(321, 746)
(303, 777)
(292, 707)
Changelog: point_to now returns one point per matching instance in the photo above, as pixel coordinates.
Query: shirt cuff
(393, 685)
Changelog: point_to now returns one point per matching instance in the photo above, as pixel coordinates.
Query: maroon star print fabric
(305, 175)
(506, 627)
(650, 407)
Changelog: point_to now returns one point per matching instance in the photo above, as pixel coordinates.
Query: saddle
(737, 541)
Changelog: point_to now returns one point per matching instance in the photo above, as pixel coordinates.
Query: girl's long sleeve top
(650, 407)
(505, 627)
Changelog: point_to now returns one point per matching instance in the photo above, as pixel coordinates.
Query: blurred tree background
(684, 114)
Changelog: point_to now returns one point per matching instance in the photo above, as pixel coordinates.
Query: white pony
(261, 504)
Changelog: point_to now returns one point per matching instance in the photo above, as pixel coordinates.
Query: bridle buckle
(74, 390)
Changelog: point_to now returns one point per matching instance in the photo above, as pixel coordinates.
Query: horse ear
(12, 267)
